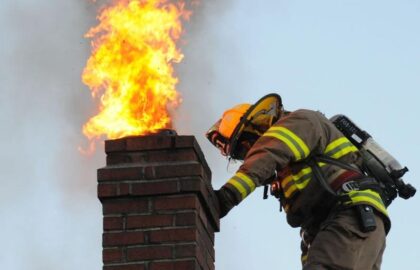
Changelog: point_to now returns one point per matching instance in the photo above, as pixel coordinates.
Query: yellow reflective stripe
(304, 258)
(291, 146)
(297, 145)
(298, 181)
(302, 173)
(340, 147)
(344, 151)
(368, 196)
(238, 187)
(243, 184)
(290, 191)
(335, 143)
(302, 178)
(290, 187)
(247, 180)
(286, 181)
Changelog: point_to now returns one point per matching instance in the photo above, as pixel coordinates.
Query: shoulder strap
(312, 162)
(330, 160)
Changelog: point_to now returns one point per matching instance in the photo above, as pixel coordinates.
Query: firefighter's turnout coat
(282, 150)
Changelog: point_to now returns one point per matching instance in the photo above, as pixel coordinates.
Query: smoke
(208, 77)
(42, 58)
(201, 79)
(50, 216)
(48, 192)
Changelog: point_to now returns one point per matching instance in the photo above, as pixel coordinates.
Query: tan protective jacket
(290, 140)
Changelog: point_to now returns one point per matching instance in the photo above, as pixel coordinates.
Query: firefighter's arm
(290, 139)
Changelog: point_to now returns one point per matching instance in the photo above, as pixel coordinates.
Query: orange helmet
(231, 118)
(243, 124)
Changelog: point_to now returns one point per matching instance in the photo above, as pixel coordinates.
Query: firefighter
(345, 229)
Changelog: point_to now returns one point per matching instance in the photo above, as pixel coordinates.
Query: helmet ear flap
(245, 142)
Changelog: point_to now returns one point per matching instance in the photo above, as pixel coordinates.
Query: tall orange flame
(130, 70)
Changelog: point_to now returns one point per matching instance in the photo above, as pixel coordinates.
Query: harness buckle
(350, 185)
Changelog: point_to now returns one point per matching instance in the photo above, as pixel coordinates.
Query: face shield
(217, 139)
(241, 126)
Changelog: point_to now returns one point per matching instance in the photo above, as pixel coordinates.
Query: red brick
(112, 255)
(186, 219)
(183, 202)
(149, 253)
(139, 143)
(124, 189)
(207, 196)
(113, 223)
(168, 156)
(115, 145)
(173, 235)
(185, 251)
(119, 158)
(165, 184)
(131, 206)
(184, 141)
(206, 238)
(153, 156)
(113, 190)
(210, 261)
(205, 243)
(137, 266)
(110, 190)
(149, 142)
(121, 174)
(155, 188)
(191, 251)
(208, 200)
(152, 142)
(179, 170)
(149, 221)
(208, 228)
(195, 184)
(198, 152)
(178, 265)
(159, 171)
(122, 238)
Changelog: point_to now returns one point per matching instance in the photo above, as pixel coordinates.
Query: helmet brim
(270, 104)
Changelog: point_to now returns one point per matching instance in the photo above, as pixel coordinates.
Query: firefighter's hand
(226, 201)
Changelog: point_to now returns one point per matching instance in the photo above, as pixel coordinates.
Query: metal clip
(350, 185)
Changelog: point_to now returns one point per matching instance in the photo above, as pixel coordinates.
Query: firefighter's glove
(226, 201)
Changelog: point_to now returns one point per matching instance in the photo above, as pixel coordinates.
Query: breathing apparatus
(377, 162)
(242, 125)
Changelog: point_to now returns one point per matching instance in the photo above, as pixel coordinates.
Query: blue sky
(360, 58)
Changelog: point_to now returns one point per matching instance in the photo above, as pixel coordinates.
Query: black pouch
(295, 220)
(366, 217)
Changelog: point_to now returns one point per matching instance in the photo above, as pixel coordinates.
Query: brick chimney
(158, 204)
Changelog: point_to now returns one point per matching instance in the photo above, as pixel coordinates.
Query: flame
(130, 71)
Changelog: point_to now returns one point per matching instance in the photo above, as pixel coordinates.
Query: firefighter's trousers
(341, 245)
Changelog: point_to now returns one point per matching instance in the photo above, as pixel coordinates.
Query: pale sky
(360, 58)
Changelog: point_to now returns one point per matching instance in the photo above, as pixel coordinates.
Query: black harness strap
(330, 160)
(319, 175)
